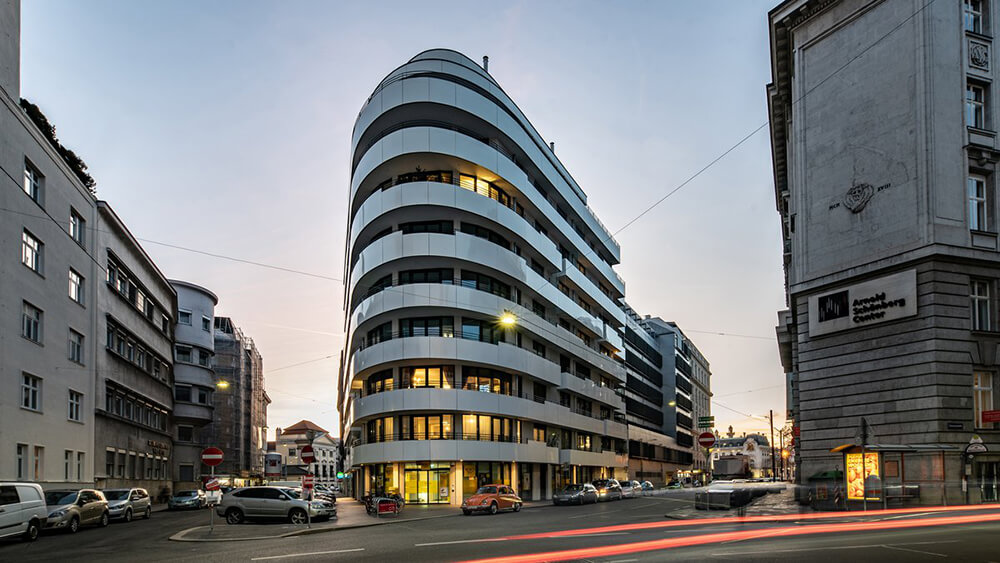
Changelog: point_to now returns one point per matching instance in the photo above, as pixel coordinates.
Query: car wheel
(234, 516)
(31, 534)
(494, 508)
(517, 507)
(105, 519)
(149, 513)
(466, 512)
(74, 525)
(297, 516)
(127, 517)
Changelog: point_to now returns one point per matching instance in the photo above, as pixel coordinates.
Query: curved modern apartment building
(484, 331)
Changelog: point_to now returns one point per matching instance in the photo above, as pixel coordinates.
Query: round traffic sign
(706, 439)
(306, 455)
(211, 456)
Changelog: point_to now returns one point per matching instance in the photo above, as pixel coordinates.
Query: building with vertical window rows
(482, 307)
(885, 149)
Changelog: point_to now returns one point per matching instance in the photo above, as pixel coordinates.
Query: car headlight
(485, 501)
(57, 514)
(317, 505)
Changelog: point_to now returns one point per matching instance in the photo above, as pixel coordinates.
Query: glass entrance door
(427, 486)
(989, 481)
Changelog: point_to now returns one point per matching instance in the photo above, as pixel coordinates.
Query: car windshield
(573, 488)
(294, 493)
(487, 491)
(55, 498)
(187, 494)
(601, 483)
(116, 495)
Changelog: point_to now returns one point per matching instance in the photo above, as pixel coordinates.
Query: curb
(179, 536)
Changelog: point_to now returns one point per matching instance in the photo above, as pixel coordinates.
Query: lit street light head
(508, 320)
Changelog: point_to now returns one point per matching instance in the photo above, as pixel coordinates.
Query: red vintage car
(492, 499)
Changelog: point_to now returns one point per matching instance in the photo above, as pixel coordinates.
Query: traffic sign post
(211, 457)
(306, 455)
(706, 439)
(307, 492)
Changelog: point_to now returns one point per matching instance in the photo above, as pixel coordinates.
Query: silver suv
(271, 502)
(128, 503)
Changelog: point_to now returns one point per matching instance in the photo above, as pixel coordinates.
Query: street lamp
(222, 384)
(672, 404)
(508, 319)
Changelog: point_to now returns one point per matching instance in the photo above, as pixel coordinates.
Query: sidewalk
(771, 504)
(350, 514)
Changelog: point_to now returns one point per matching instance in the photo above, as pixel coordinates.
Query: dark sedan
(576, 494)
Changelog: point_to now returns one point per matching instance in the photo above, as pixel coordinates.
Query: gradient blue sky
(225, 126)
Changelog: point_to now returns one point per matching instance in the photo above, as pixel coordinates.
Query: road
(550, 531)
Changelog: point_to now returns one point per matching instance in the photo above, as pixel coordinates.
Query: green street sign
(340, 475)
(706, 418)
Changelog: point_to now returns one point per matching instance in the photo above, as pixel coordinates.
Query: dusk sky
(225, 127)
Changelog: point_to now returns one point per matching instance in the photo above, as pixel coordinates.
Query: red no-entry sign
(306, 455)
(706, 439)
(211, 456)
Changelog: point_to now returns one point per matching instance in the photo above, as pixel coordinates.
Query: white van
(22, 510)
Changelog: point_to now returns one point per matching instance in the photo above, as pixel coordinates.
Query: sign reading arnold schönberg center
(871, 302)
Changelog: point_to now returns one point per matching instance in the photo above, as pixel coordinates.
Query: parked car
(492, 499)
(675, 485)
(187, 499)
(70, 509)
(576, 494)
(629, 489)
(272, 502)
(647, 487)
(608, 489)
(127, 503)
(22, 510)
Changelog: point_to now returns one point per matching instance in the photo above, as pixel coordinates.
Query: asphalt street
(544, 533)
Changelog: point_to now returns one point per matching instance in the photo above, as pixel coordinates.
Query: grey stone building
(883, 130)
(134, 382)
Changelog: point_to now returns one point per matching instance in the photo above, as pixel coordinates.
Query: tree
(75, 163)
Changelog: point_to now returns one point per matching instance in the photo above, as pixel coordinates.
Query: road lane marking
(307, 554)
(908, 515)
(482, 540)
(623, 561)
(591, 514)
(914, 550)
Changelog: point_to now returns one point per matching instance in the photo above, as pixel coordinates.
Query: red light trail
(703, 539)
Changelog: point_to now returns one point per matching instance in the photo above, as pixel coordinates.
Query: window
(538, 348)
(442, 377)
(982, 397)
(379, 285)
(980, 218)
(975, 105)
(75, 405)
(183, 317)
(75, 286)
(31, 252)
(120, 467)
(79, 466)
(444, 227)
(538, 433)
(973, 15)
(427, 326)
(482, 232)
(485, 283)
(38, 469)
(434, 275)
(206, 324)
(473, 329)
(183, 354)
(979, 293)
(75, 346)
(381, 333)
(33, 180)
(22, 461)
(182, 393)
(77, 225)
(67, 465)
(204, 358)
(379, 382)
(291, 452)
(482, 187)
(109, 463)
(31, 392)
(486, 381)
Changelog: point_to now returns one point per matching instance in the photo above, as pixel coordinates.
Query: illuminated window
(75, 286)
(979, 203)
(76, 227)
(31, 252)
(982, 397)
(442, 377)
(33, 182)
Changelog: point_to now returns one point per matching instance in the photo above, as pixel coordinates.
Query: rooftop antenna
(486, 63)
(552, 146)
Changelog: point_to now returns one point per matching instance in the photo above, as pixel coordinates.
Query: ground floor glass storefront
(427, 483)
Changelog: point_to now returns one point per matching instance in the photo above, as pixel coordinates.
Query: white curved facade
(460, 215)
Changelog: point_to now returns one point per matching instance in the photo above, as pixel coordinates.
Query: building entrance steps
(350, 514)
